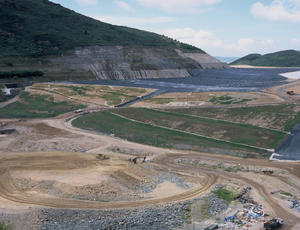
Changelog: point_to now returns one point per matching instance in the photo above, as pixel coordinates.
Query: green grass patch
(231, 169)
(227, 100)
(224, 194)
(292, 122)
(286, 194)
(187, 215)
(36, 106)
(281, 117)
(5, 227)
(237, 133)
(108, 123)
(77, 90)
(159, 101)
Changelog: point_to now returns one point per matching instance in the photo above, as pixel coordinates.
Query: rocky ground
(170, 216)
(160, 217)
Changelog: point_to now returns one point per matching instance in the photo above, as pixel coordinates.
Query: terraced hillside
(35, 29)
(179, 131)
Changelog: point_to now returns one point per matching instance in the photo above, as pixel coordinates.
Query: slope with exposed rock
(119, 62)
(36, 29)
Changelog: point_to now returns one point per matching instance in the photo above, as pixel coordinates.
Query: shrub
(21, 74)
(5, 227)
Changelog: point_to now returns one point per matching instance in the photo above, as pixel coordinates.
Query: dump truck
(273, 224)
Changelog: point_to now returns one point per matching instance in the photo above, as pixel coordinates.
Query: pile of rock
(215, 205)
(161, 217)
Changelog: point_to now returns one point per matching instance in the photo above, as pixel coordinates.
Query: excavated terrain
(56, 176)
(119, 63)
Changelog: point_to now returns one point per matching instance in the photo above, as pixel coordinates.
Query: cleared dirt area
(65, 180)
(48, 163)
(281, 91)
(209, 99)
(263, 190)
(81, 180)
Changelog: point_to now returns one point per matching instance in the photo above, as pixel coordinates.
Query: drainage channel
(153, 94)
(290, 148)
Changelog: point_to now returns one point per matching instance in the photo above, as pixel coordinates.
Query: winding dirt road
(290, 219)
(167, 158)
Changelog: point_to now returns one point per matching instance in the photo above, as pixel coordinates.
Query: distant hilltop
(37, 29)
(286, 58)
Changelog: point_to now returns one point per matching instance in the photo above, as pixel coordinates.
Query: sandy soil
(281, 91)
(166, 189)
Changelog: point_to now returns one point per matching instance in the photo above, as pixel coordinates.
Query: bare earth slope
(119, 62)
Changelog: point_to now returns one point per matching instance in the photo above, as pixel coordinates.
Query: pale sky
(229, 28)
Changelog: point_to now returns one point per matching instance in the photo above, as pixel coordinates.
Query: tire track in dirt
(290, 219)
(207, 177)
(9, 191)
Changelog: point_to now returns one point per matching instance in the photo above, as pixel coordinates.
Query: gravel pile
(161, 217)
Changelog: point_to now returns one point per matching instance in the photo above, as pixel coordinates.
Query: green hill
(287, 58)
(42, 36)
(41, 27)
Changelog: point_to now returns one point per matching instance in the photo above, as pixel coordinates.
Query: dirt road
(166, 158)
(71, 161)
(289, 218)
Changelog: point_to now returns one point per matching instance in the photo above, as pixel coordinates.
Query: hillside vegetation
(111, 124)
(287, 58)
(41, 27)
(37, 106)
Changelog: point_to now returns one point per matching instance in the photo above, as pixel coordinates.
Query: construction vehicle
(78, 111)
(273, 224)
(291, 93)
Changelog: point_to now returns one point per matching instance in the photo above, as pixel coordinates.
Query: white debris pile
(295, 205)
(244, 219)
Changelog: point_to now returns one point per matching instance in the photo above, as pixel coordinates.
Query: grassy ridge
(238, 133)
(287, 58)
(41, 27)
(36, 106)
(105, 122)
(282, 117)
